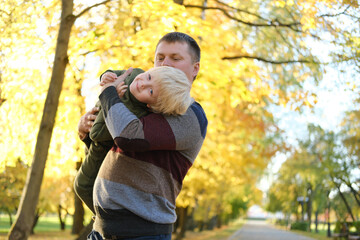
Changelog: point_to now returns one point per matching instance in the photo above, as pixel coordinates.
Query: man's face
(176, 55)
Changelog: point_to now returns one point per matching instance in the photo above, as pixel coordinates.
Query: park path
(261, 230)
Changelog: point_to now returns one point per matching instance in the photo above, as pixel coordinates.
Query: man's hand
(86, 122)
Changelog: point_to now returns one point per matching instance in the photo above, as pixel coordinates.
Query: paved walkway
(260, 230)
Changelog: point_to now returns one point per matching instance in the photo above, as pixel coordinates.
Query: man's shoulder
(197, 108)
(201, 116)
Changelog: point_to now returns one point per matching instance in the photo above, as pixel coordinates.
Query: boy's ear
(148, 105)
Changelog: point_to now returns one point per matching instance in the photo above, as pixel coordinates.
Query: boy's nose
(143, 84)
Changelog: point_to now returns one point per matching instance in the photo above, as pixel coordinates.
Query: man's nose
(166, 62)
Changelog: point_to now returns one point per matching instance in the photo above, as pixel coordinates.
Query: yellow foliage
(234, 93)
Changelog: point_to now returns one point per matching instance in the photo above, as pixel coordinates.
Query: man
(140, 178)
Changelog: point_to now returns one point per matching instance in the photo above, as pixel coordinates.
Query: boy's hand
(121, 89)
(117, 81)
(107, 78)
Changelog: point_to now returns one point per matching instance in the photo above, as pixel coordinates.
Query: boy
(163, 90)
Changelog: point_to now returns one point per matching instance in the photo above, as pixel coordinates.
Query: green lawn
(48, 227)
(46, 223)
(321, 235)
(216, 234)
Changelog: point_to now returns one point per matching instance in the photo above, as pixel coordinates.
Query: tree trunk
(36, 219)
(78, 218)
(355, 194)
(346, 203)
(182, 223)
(30, 196)
(316, 221)
(10, 217)
(309, 205)
(218, 221)
(61, 220)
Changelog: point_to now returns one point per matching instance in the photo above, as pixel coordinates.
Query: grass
(321, 235)
(216, 234)
(48, 227)
(318, 236)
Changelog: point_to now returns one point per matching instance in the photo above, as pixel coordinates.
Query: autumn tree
(254, 54)
(30, 196)
(320, 165)
(12, 180)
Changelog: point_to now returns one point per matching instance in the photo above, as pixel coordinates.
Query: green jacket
(99, 142)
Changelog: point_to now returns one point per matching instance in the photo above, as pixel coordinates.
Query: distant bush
(357, 226)
(282, 222)
(302, 226)
(341, 226)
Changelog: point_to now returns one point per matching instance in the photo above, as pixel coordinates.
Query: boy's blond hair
(174, 91)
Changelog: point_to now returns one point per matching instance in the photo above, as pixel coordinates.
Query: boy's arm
(99, 131)
(154, 131)
(87, 120)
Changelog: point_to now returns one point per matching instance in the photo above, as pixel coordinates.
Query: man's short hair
(184, 38)
(174, 90)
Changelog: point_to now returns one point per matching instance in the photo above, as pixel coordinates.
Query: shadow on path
(261, 230)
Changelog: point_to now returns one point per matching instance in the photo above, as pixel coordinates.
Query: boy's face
(144, 88)
(176, 55)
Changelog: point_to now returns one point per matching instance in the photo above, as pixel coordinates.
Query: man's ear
(196, 68)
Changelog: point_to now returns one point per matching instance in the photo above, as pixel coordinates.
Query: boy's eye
(151, 92)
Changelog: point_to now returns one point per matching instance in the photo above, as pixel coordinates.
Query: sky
(334, 99)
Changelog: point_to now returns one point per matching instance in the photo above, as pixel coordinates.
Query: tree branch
(90, 7)
(269, 61)
(5, 12)
(270, 23)
(241, 10)
(97, 49)
(335, 15)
